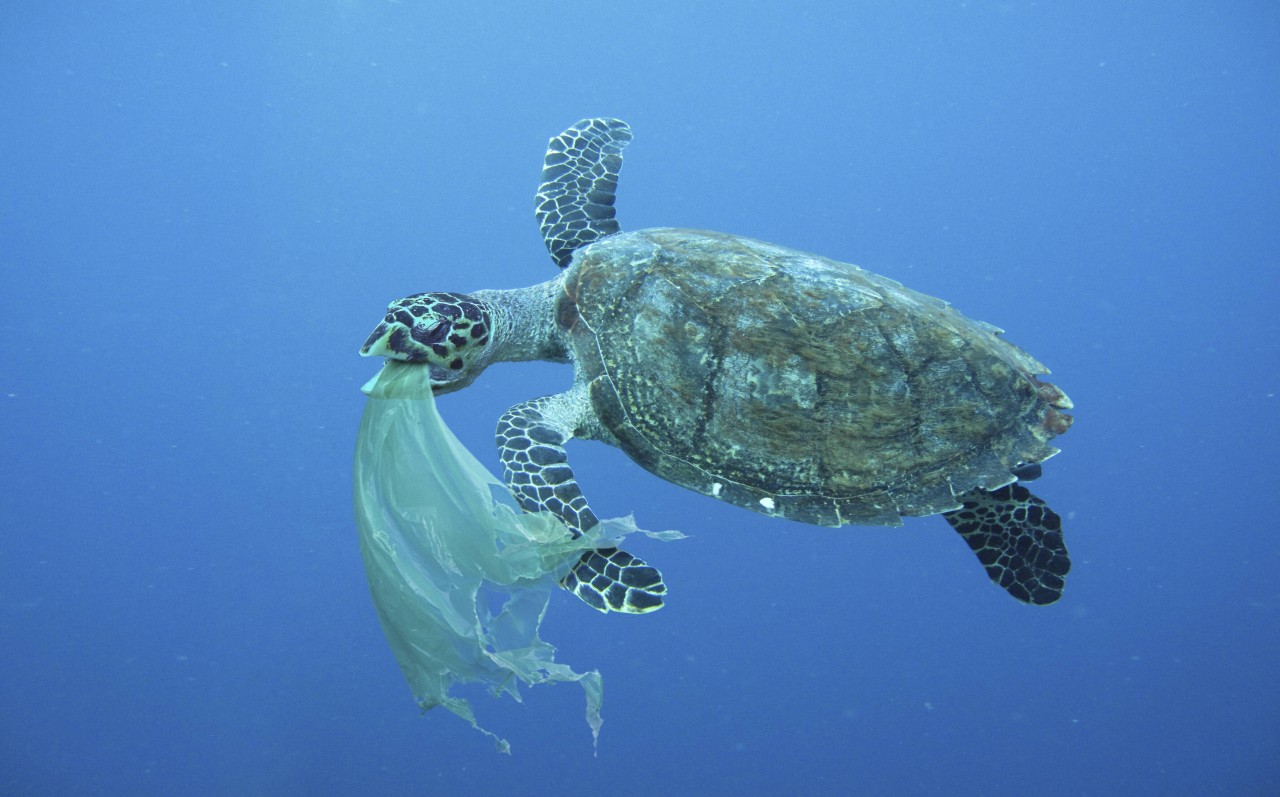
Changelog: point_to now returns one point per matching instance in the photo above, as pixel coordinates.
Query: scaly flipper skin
(536, 468)
(1018, 539)
(579, 181)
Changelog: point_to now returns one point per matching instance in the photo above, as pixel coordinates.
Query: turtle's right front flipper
(579, 178)
(531, 439)
(1018, 539)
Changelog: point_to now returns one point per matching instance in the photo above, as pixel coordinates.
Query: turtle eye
(427, 333)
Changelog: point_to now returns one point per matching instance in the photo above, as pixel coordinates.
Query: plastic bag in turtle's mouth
(460, 576)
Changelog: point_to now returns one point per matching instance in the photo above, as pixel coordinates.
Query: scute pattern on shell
(795, 385)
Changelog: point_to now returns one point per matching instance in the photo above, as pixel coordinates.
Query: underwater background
(205, 207)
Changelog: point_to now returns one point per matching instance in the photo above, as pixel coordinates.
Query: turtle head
(447, 332)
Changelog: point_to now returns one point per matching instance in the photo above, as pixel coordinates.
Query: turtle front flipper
(531, 439)
(1018, 539)
(579, 181)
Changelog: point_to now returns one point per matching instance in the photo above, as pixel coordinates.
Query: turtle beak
(394, 342)
(378, 344)
(446, 381)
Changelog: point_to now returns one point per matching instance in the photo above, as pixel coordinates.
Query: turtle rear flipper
(531, 438)
(1018, 539)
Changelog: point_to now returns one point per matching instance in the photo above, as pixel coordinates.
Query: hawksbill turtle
(779, 381)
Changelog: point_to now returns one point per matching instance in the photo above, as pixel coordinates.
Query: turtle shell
(795, 385)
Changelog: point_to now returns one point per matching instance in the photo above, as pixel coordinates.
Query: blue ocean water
(204, 209)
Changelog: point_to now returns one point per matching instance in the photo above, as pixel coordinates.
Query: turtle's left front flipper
(531, 438)
(1018, 539)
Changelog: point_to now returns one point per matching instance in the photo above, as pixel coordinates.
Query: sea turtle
(779, 381)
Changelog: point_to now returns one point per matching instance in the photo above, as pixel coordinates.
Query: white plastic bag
(459, 575)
